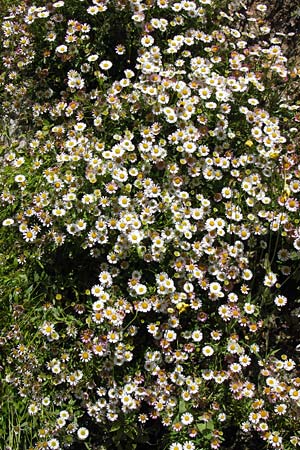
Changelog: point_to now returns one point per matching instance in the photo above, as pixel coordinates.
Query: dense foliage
(150, 237)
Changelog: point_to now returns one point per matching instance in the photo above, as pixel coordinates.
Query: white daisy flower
(82, 433)
(207, 350)
(61, 49)
(105, 65)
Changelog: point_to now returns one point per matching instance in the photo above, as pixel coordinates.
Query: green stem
(132, 320)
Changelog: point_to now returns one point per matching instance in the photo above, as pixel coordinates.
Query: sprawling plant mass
(150, 227)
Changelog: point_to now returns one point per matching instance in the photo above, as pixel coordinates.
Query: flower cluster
(162, 160)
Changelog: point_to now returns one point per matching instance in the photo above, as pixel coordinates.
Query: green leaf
(115, 427)
(266, 263)
(132, 432)
(205, 427)
(182, 406)
(201, 426)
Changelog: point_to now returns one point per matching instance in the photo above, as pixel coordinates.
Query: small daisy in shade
(29, 235)
(270, 279)
(93, 10)
(175, 446)
(93, 58)
(20, 178)
(207, 350)
(120, 49)
(105, 65)
(280, 300)
(140, 289)
(61, 49)
(85, 355)
(7, 222)
(53, 444)
(82, 433)
(135, 237)
(197, 336)
(189, 445)
(147, 41)
(58, 4)
(32, 409)
(60, 422)
(280, 409)
(97, 290)
(261, 7)
(249, 308)
(186, 418)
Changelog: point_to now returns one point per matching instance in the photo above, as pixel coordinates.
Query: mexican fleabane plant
(150, 227)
